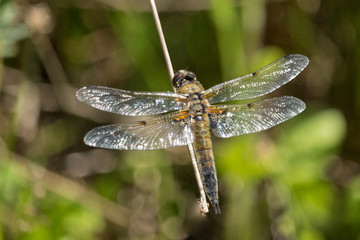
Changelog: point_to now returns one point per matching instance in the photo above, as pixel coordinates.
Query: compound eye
(177, 79)
(190, 76)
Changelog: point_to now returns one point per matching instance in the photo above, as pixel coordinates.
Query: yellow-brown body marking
(198, 108)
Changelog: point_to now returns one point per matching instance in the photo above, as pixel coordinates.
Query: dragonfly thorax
(198, 106)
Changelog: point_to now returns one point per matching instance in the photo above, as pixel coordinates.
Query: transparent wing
(263, 81)
(128, 102)
(234, 120)
(162, 132)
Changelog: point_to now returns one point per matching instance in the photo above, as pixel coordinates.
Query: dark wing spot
(143, 123)
(249, 105)
(253, 74)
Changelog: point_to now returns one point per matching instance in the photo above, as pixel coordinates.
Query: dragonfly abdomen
(205, 160)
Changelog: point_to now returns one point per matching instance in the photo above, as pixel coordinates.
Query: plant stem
(162, 38)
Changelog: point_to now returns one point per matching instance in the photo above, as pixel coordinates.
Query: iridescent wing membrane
(165, 131)
(236, 120)
(261, 82)
(241, 119)
(173, 129)
(161, 132)
(130, 103)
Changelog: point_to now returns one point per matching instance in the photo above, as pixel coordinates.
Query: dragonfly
(187, 115)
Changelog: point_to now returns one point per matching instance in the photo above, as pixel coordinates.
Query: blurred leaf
(52, 138)
(352, 205)
(236, 157)
(229, 33)
(310, 235)
(142, 43)
(305, 149)
(316, 134)
(10, 31)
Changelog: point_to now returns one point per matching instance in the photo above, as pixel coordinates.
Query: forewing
(162, 132)
(234, 120)
(263, 81)
(128, 102)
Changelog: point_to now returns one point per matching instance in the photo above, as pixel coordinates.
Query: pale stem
(202, 201)
(162, 38)
(203, 204)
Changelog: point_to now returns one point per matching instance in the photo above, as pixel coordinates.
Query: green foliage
(11, 31)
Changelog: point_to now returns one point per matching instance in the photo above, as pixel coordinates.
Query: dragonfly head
(183, 78)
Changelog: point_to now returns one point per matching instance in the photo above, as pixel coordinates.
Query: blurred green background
(298, 180)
